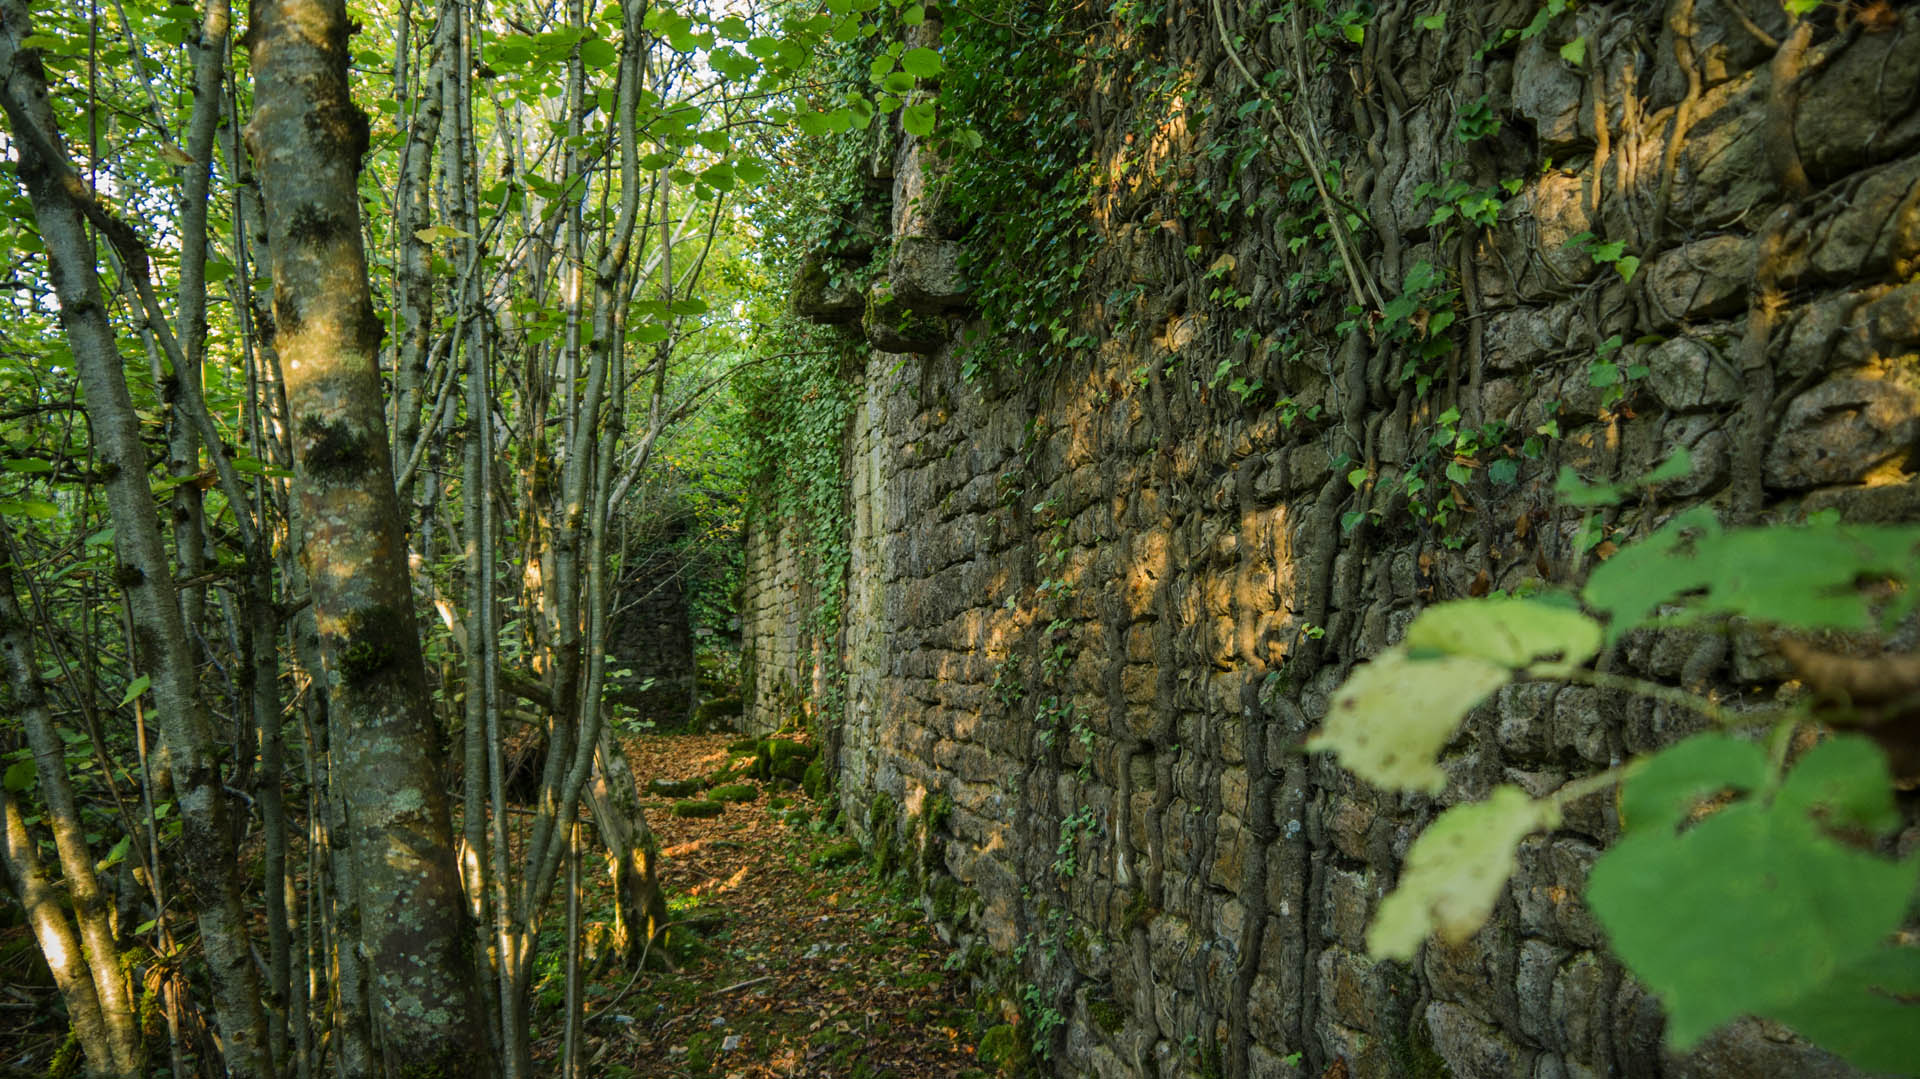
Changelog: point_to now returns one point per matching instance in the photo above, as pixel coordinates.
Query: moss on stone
(1004, 1050)
(673, 788)
(1106, 1014)
(734, 792)
(697, 807)
(815, 781)
(883, 822)
(845, 852)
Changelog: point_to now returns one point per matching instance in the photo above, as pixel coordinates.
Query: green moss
(673, 788)
(883, 821)
(816, 782)
(1106, 1014)
(1138, 911)
(697, 808)
(1414, 1056)
(1004, 1050)
(845, 852)
(744, 745)
(734, 792)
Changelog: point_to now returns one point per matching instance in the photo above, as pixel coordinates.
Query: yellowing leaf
(174, 155)
(1515, 633)
(1392, 717)
(1455, 871)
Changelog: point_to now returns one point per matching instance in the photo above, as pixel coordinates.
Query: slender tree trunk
(307, 138)
(63, 208)
(58, 943)
(91, 909)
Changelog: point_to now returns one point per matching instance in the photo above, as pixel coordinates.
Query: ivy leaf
(1379, 737)
(1455, 872)
(1627, 267)
(1666, 788)
(917, 120)
(1433, 22)
(921, 63)
(1575, 52)
(812, 123)
(1511, 632)
(1749, 911)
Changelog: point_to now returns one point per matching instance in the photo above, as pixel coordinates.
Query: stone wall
(1094, 613)
(652, 639)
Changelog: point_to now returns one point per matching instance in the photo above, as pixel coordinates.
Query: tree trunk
(63, 206)
(307, 138)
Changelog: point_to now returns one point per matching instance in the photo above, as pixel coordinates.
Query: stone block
(1471, 1047)
(1703, 279)
(1687, 373)
(1839, 430)
(926, 274)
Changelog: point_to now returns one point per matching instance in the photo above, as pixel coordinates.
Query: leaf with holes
(1391, 718)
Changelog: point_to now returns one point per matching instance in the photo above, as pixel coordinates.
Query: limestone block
(1860, 106)
(892, 326)
(1839, 430)
(1703, 279)
(823, 291)
(1548, 91)
(1688, 373)
(1547, 887)
(1471, 1047)
(926, 274)
(1709, 451)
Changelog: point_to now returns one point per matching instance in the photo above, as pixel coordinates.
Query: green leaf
(134, 689)
(1646, 574)
(20, 776)
(1511, 632)
(1455, 872)
(1843, 782)
(1376, 733)
(1357, 478)
(1749, 911)
(917, 120)
(1436, 21)
(1665, 789)
(1504, 471)
(1627, 267)
(812, 123)
(28, 464)
(648, 333)
(921, 63)
(598, 53)
(1575, 52)
(116, 855)
(1868, 1013)
(33, 509)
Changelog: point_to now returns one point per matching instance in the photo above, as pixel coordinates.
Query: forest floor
(802, 967)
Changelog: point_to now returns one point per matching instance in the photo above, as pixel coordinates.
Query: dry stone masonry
(1094, 609)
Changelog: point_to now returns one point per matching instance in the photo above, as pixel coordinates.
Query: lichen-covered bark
(307, 139)
(63, 208)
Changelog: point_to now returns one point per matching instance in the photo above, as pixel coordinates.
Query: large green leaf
(1748, 912)
(1843, 782)
(1391, 718)
(1455, 871)
(1666, 788)
(1645, 574)
(1514, 633)
(1868, 1013)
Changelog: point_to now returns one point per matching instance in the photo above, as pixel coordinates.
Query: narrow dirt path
(800, 967)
